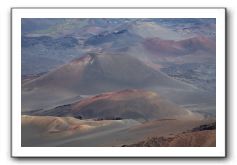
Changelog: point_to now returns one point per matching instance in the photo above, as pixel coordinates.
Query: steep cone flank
(99, 73)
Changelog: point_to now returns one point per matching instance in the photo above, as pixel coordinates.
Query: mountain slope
(121, 71)
(191, 139)
(201, 136)
(92, 74)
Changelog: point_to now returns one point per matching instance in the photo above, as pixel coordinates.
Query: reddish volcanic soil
(182, 47)
(192, 139)
(135, 104)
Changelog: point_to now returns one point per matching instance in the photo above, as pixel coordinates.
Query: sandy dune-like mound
(72, 132)
(126, 104)
(52, 131)
(50, 124)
